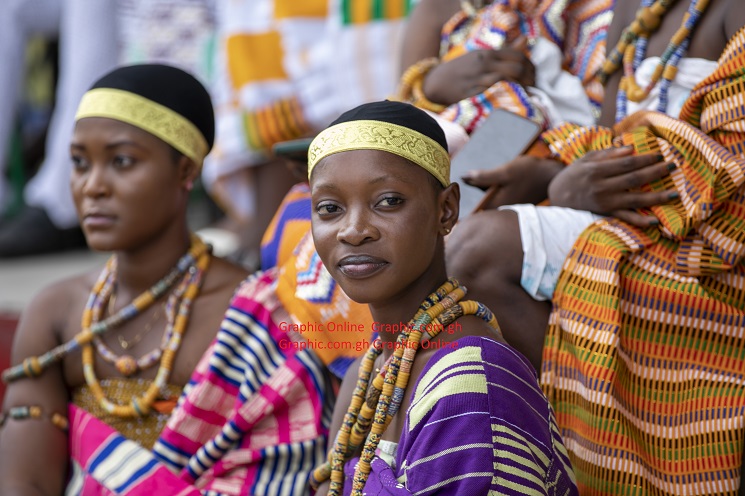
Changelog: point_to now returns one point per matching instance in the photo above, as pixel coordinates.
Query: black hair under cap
(402, 114)
(171, 87)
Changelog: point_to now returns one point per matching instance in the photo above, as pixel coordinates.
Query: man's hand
(607, 182)
(524, 179)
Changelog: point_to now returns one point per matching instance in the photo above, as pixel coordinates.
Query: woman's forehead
(104, 128)
(371, 164)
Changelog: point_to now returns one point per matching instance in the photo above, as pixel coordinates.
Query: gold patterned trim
(384, 136)
(148, 115)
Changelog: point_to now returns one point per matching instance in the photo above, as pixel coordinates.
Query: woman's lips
(98, 221)
(360, 266)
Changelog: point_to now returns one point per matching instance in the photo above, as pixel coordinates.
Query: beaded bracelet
(34, 412)
(410, 88)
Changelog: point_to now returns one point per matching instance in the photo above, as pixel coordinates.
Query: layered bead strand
(193, 264)
(125, 364)
(632, 48)
(140, 406)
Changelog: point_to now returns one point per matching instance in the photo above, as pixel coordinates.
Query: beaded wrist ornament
(368, 417)
(33, 412)
(410, 87)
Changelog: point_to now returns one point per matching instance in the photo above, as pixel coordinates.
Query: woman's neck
(391, 316)
(138, 270)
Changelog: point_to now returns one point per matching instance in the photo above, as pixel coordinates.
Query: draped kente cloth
(478, 424)
(493, 26)
(253, 418)
(644, 359)
(577, 28)
(580, 29)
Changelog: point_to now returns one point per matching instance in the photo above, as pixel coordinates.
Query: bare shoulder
(44, 320)
(222, 277)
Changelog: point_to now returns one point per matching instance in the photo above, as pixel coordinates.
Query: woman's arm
(33, 452)
(421, 38)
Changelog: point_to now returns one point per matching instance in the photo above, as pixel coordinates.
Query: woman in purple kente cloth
(472, 418)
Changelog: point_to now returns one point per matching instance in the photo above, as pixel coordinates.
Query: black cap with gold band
(165, 101)
(394, 127)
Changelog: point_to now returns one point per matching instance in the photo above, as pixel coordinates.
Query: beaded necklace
(631, 51)
(34, 366)
(126, 364)
(368, 417)
(140, 406)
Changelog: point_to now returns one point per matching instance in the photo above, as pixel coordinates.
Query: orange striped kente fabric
(644, 359)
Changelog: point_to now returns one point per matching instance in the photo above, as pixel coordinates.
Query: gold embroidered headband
(156, 119)
(384, 136)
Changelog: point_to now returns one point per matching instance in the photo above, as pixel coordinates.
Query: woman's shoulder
(223, 275)
(48, 313)
(60, 294)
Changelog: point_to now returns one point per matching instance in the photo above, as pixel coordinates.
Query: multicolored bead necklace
(141, 406)
(127, 365)
(367, 418)
(198, 255)
(632, 47)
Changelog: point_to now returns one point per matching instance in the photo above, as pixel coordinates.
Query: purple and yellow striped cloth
(478, 424)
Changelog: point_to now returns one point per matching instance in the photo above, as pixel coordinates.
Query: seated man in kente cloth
(643, 355)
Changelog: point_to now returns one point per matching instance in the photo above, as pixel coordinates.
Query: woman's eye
(78, 163)
(390, 201)
(327, 208)
(123, 161)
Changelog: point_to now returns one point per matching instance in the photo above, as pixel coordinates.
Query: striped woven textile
(254, 417)
(579, 28)
(311, 296)
(106, 463)
(287, 68)
(644, 360)
(290, 223)
(478, 424)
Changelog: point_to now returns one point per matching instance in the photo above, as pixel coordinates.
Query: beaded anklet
(33, 412)
(368, 417)
(34, 366)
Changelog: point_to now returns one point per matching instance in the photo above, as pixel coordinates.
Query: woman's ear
(188, 172)
(449, 203)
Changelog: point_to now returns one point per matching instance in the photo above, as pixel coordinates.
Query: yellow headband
(384, 136)
(156, 119)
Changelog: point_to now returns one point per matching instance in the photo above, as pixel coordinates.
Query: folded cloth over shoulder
(252, 420)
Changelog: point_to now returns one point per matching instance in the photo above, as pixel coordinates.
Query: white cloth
(691, 71)
(328, 66)
(88, 50)
(557, 92)
(19, 20)
(547, 235)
